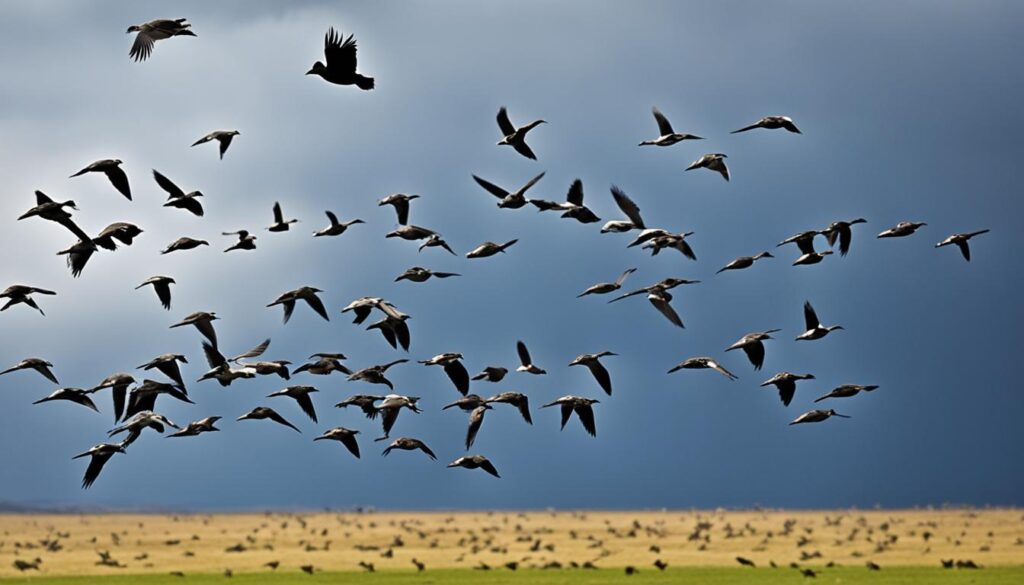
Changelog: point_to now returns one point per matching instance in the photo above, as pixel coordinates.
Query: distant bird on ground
(176, 197)
(420, 274)
(699, 363)
(476, 419)
(846, 391)
(509, 200)
(198, 427)
(745, 562)
(23, 565)
(341, 62)
(487, 249)
(772, 123)
(590, 360)
(203, 321)
(603, 288)
(583, 407)
(785, 382)
(436, 241)
(99, 455)
(631, 211)
(51, 210)
(38, 364)
(516, 137)
(22, 294)
(492, 374)
(162, 286)
(517, 400)
(400, 201)
(346, 437)
(752, 344)
(408, 444)
(667, 136)
(138, 423)
(263, 412)
(184, 243)
(76, 395)
(453, 367)
(150, 32)
(475, 462)
(375, 374)
(526, 364)
(840, 230)
(280, 224)
(224, 137)
(167, 364)
(815, 330)
(902, 229)
(468, 403)
(744, 262)
(815, 416)
(246, 241)
(961, 242)
(112, 169)
(713, 162)
(304, 293)
(301, 395)
(337, 227)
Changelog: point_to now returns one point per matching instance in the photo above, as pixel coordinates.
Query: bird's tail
(365, 83)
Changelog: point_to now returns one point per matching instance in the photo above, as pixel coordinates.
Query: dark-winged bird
(153, 31)
(771, 123)
(222, 136)
(341, 62)
(112, 169)
(162, 286)
(262, 412)
(100, 455)
(583, 407)
(344, 436)
(176, 197)
(516, 137)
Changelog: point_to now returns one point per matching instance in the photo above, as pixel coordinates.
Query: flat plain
(906, 546)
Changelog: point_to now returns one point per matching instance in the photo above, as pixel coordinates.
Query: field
(907, 546)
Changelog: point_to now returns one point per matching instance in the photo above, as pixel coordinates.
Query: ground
(908, 546)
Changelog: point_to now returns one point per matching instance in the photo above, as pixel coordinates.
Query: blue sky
(909, 112)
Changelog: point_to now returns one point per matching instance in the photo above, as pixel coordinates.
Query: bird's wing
(623, 276)
(806, 245)
(475, 420)
(402, 333)
(524, 149)
(95, 467)
(666, 309)
(306, 404)
(203, 140)
(119, 179)
(142, 48)
(663, 125)
(349, 440)
(585, 412)
(845, 237)
(388, 419)
(487, 466)
(120, 393)
(289, 307)
(206, 328)
(402, 210)
(224, 144)
(173, 191)
(745, 128)
(810, 317)
(213, 357)
(504, 124)
(602, 376)
(73, 227)
(965, 249)
(272, 415)
(532, 182)
(566, 408)
(489, 187)
(163, 292)
(333, 218)
(524, 409)
(755, 353)
(423, 447)
(575, 195)
(524, 354)
(278, 215)
(459, 376)
(340, 55)
(786, 392)
(687, 250)
(254, 352)
(42, 198)
(628, 207)
(317, 305)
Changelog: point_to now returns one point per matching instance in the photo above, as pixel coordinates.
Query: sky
(909, 112)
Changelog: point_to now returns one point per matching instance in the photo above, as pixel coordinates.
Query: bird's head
(71, 204)
(118, 161)
(318, 69)
(133, 28)
(503, 141)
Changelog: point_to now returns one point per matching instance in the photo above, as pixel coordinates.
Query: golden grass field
(244, 543)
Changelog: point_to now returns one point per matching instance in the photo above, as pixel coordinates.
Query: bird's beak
(310, 72)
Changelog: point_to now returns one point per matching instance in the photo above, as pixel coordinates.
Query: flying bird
(667, 136)
(76, 395)
(280, 224)
(488, 249)
(603, 288)
(99, 455)
(143, 397)
(411, 233)
(475, 462)
(815, 330)
(847, 391)
(150, 32)
(713, 162)
(468, 403)
(184, 243)
(167, 364)
(509, 200)
(572, 207)
(246, 241)
(140, 422)
(476, 419)
(198, 427)
(301, 395)
(516, 137)
(38, 364)
(420, 274)
(492, 374)
(785, 382)
(583, 407)
(341, 62)
(224, 137)
(960, 240)
(816, 416)
(516, 399)
(840, 230)
(752, 344)
(346, 437)
(265, 413)
(115, 174)
(389, 409)
(324, 365)
(771, 123)
(453, 367)
(203, 321)
(744, 262)
(591, 361)
(700, 363)
(337, 227)
(51, 210)
(526, 364)
(400, 201)
(630, 209)
(162, 286)
(902, 229)
(176, 197)
(660, 298)
(304, 293)
(18, 294)
(375, 374)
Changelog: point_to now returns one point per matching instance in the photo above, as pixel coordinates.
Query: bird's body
(841, 231)
(198, 427)
(304, 293)
(525, 363)
(400, 201)
(744, 262)
(184, 243)
(700, 363)
(246, 241)
(516, 399)
(346, 437)
(816, 416)
(280, 223)
(475, 462)
(301, 395)
(420, 274)
(630, 209)
(203, 322)
(20, 294)
(453, 367)
(38, 364)
(336, 228)
(487, 249)
(492, 374)
(99, 455)
(75, 395)
(265, 413)
(772, 123)
(603, 288)
(162, 286)
(902, 229)
(847, 391)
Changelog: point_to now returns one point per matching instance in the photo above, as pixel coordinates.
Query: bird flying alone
(223, 137)
(960, 241)
(516, 137)
(667, 136)
(148, 33)
(714, 162)
(340, 69)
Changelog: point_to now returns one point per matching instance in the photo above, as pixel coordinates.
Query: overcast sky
(910, 111)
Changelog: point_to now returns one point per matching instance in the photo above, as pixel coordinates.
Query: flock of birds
(135, 401)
